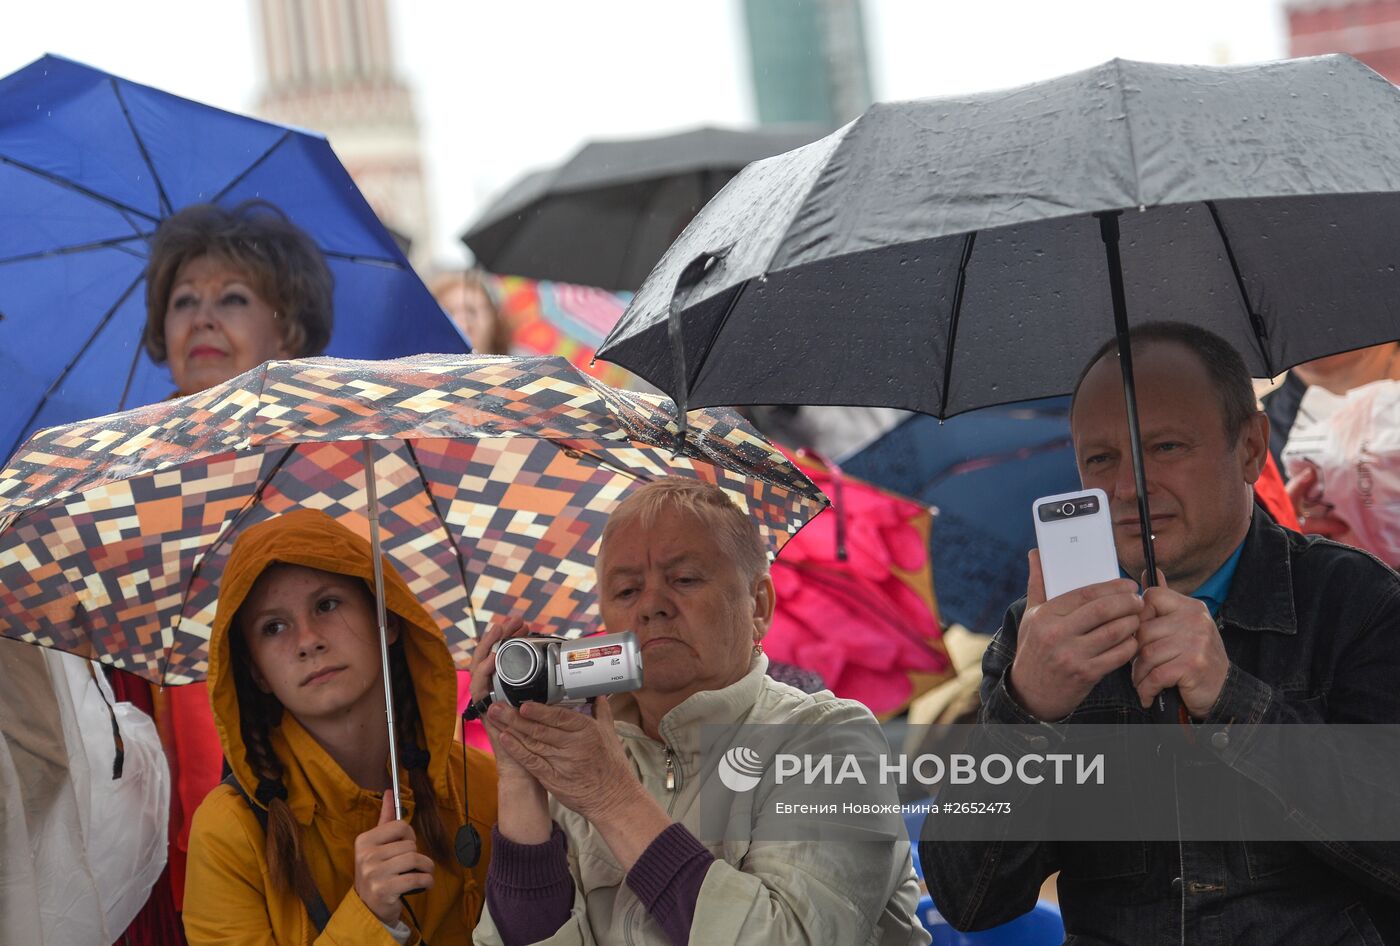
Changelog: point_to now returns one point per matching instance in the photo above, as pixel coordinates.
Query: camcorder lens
(516, 661)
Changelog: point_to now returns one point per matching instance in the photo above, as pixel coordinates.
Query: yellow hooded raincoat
(229, 896)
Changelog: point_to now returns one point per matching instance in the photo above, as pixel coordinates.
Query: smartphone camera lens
(1067, 509)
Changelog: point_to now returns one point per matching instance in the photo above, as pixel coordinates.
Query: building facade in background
(328, 66)
(1367, 29)
(809, 60)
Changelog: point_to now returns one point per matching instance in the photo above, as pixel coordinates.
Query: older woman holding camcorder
(599, 815)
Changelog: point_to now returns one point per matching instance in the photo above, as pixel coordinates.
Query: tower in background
(1367, 29)
(809, 60)
(328, 66)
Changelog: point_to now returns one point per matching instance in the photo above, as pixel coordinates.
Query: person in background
(1328, 381)
(471, 303)
(226, 290)
(596, 841)
(1351, 369)
(301, 843)
(82, 814)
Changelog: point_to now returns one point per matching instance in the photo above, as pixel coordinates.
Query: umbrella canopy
(605, 216)
(982, 471)
(89, 166)
(855, 596)
(943, 255)
(559, 318)
(494, 478)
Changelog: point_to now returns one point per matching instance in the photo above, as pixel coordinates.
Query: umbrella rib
(111, 243)
(633, 226)
(1128, 128)
(63, 375)
(456, 551)
(356, 258)
(841, 583)
(714, 336)
(78, 188)
(251, 167)
(1256, 323)
(219, 541)
(958, 289)
(574, 453)
(166, 207)
(996, 459)
(130, 376)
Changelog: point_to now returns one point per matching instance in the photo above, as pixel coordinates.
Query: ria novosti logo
(740, 769)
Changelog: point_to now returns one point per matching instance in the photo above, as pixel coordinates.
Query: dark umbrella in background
(605, 216)
(982, 470)
(89, 166)
(948, 254)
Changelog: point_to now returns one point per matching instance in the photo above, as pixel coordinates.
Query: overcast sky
(508, 85)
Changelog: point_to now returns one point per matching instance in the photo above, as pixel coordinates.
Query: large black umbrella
(947, 254)
(605, 216)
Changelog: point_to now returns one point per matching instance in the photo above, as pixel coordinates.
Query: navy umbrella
(89, 166)
(982, 470)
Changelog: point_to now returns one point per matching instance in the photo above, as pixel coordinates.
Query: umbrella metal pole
(1168, 704)
(372, 492)
(1108, 228)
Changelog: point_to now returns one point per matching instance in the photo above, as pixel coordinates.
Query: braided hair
(260, 713)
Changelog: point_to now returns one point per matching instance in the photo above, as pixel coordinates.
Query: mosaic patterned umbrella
(494, 477)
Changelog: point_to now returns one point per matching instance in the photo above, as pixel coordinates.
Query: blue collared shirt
(1215, 589)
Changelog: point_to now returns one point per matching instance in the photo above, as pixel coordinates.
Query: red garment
(186, 724)
(158, 923)
(1273, 497)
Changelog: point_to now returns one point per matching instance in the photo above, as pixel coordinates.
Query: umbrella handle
(372, 494)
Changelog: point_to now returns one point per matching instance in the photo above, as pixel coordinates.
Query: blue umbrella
(89, 166)
(982, 470)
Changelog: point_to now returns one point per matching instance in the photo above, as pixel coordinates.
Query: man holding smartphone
(1252, 624)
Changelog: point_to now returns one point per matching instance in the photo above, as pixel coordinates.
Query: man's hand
(1068, 644)
(1179, 646)
(388, 865)
(578, 759)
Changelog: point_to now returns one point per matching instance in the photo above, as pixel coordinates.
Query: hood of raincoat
(313, 539)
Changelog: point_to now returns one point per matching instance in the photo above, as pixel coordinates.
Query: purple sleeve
(529, 890)
(667, 879)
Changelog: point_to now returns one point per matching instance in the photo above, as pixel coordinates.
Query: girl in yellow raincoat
(304, 848)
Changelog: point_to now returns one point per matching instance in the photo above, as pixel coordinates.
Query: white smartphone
(1074, 533)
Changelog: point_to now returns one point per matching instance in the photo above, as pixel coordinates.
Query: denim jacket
(1312, 631)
